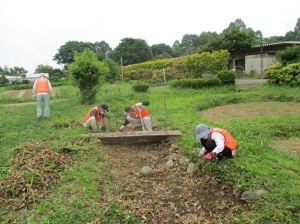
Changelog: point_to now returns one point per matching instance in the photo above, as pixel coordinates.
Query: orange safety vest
(230, 142)
(136, 113)
(98, 117)
(42, 85)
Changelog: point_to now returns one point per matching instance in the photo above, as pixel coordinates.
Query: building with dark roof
(258, 58)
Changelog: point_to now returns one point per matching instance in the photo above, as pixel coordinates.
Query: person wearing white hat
(215, 142)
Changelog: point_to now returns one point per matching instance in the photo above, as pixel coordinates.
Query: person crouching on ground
(138, 116)
(95, 118)
(215, 141)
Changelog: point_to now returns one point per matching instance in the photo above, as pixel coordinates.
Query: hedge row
(191, 66)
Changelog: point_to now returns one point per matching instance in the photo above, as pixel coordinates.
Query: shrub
(195, 83)
(87, 72)
(140, 87)
(227, 77)
(289, 74)
(25, 81)
(54, 78)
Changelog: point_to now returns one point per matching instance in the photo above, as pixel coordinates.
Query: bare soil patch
(169, 195)
(250, 111)
(290, 145)
(25, 93)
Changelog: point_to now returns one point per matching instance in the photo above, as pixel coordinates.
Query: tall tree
(102, 50)
(236, 37)
(132, 51)
(15, 71)
(189, 44)
(205, 37)
(43, 69)
(158, 49)
(67, 51)
(274, 39)
(294, 35)
(50, 70)
(176, 48)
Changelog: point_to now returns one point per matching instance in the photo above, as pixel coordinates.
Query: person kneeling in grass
(138, 116)
(95, 118)
(215, 142)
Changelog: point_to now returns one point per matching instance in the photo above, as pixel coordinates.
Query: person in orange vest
(215, 142)
(95, 118)
(40, 91)
(138, 116)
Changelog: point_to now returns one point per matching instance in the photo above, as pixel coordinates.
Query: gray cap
(202, 130)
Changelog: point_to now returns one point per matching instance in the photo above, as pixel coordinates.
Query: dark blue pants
(209, 145)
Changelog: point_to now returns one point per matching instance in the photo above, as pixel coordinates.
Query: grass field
(52, 171)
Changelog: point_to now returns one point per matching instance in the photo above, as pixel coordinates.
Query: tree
(87, 72)
(15, 71)
(205, 37)
(114, 71)
(58, 72)
(234, 38)
(294, 35)
(189, 44)
(273, 39)
(132, 51)
(289, 55)
(158, 49)
(176, 48)
(102, 50)
(3, 80)
(67, 51)
(50, 70)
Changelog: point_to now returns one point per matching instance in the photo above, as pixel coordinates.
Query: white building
(29, 77)
(32, 77)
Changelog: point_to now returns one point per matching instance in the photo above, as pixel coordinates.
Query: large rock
(191, 168)
(183, 161)
(169, 164)
(253, 195)
(146, 171)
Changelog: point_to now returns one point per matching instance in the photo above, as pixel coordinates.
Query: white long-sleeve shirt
(220, 143)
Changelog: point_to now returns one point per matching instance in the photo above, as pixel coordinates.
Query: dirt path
(169, 195)
(250, 81)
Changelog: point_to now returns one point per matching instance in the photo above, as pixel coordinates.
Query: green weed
(74, 199)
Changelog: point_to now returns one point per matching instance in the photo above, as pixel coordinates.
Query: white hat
(202, 130)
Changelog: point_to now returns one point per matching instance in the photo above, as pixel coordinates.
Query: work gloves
(33, 97)
(209, 156)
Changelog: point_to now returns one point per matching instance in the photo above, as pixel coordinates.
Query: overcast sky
(32, 31)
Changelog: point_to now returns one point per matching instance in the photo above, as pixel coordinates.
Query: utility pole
(106, 53)
(261, 55)
(122, 67)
